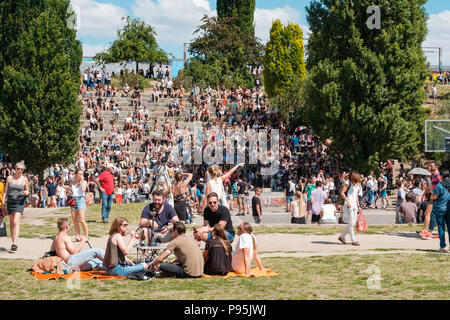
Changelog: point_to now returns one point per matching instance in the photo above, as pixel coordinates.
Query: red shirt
(107, 182)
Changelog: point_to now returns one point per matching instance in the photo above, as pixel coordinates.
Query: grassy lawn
(402, 276)
(440, 110)
(132, 212)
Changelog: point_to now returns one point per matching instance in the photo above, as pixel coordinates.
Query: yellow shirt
(2, 189)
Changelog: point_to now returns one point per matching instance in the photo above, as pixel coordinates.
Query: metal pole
(440, 59)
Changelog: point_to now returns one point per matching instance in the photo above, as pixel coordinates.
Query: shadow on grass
(326, 242)
(404, 235)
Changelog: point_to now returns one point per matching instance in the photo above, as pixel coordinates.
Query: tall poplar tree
(365, 84)
(284, 59)
(243, 10)
(40, 62)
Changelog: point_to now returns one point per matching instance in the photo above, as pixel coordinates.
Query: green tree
(222, 54)
(284, 59)
(242, 10)
(136, 42)
(40, 62)
(365, 86)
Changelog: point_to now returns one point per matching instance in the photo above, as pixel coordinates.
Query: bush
(132, 79)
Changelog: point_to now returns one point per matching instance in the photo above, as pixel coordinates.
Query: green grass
(403, 276)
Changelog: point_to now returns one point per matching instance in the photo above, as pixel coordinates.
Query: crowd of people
(316, 185)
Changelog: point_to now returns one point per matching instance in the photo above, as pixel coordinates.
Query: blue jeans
(61, 202)
(443, 221)
(87, 260)
(125, 270)
(106, 205)
(433, 220)
(370, 196)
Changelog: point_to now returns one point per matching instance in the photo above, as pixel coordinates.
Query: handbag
(71, 202)
(3, 232)
(3, 211)
(361, 223)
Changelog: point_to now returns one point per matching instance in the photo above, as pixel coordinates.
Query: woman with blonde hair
(215, 184)
(298, 209)
(218, 252)
(115, 260)
(78, 191)
(15, 193)
(246, 250)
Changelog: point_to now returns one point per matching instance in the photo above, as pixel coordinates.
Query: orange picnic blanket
(83, 275)
(255, 272)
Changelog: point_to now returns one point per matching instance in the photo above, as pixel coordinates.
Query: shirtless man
(62, 244)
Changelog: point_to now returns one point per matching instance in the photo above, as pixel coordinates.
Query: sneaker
(443, 250)
(435, 236)
(425, 235)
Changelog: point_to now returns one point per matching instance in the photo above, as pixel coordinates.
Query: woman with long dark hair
(179, 194)
(217, 254)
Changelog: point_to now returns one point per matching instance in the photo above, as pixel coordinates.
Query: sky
(175, 21)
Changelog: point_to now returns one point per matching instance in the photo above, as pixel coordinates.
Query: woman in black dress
(16, 191)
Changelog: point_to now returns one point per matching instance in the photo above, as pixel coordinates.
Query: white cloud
(92, 50)
(439, 36)
(99, 19)
(265, 17)
(173, 20)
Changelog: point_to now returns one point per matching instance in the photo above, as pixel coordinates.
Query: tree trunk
(137, 67)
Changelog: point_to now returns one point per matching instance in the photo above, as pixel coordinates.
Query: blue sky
(175, 20)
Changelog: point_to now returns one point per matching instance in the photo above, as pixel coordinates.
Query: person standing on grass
(78, 191)
(105, 182)
(15, 193)
(351, 207)
(318, 198)
(256, 206)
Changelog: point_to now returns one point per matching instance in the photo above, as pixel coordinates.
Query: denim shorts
(289, 199)
(229, 236)
(81, 204)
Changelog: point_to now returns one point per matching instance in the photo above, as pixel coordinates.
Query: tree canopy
(365, 86)
(40, 62)
(242, 10)
(284, 60)
(222, 54)
(135, 42)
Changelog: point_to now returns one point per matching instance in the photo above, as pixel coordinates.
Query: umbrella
(419, 171)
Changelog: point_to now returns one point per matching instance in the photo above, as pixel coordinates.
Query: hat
(110, 165)
(201, 180)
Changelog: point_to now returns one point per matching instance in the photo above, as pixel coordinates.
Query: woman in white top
(298, 209)
(78, 190)
(246, 250)
(328, 212)
(349, 193)
(215, 184)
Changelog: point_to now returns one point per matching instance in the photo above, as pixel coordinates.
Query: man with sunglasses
(213, 214)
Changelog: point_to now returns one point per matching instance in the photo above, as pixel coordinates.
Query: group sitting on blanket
(217, 232)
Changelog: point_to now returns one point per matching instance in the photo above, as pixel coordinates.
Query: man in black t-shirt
(256, 206)
(165, 214)
(289, 190)
(213, 214)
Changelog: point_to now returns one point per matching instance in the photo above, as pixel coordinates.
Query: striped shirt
(435, 180)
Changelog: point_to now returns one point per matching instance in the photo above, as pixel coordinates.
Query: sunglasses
(212, 202)
(20, 169)
(125, 225)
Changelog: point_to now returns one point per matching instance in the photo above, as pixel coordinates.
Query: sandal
(342, 240)
(13, 247)
(356, 243)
